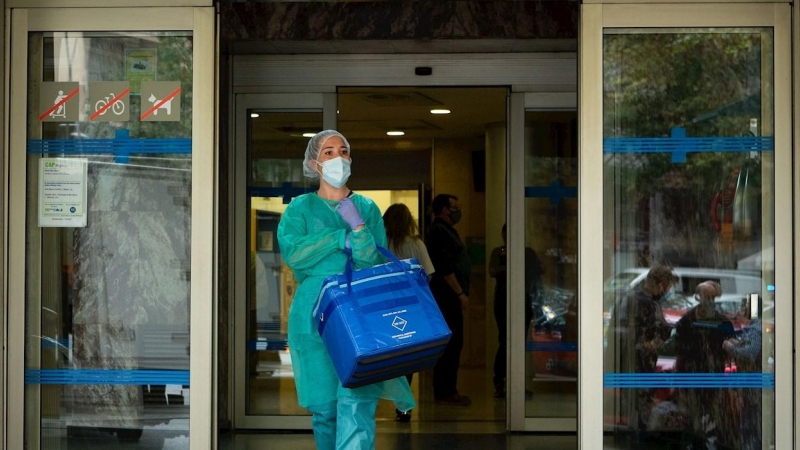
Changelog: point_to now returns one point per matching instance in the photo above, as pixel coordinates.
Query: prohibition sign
(160, 103)
(110, 103)
(59, 103)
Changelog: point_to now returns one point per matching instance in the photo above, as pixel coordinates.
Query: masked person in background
(636, 331)
(403, 235)
(313, 234)
(450, 288)
(533, 290)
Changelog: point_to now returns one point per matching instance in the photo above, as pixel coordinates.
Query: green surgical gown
(311, 236)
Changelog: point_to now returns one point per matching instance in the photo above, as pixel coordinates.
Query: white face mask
(336, 171)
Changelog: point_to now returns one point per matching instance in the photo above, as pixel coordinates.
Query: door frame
(201, 21)
(594, 18)
(551, 76)
(244, 104)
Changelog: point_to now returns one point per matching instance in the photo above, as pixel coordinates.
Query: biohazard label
(399, 323)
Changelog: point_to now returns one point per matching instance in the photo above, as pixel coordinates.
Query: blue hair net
(314, 146)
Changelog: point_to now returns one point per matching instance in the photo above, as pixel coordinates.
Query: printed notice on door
(62, 192)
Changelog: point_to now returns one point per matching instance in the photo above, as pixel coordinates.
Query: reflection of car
(734, 283)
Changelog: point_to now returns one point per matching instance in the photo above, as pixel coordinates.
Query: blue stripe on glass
(113, 377)
(286, 190)
(264, 344)
(120, 146)
(551, 346)
(689, 380)
(555, 192)
(679, 145)
(110, 146)
(269, 326)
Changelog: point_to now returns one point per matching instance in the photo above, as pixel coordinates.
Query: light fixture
(395, 133)
(440, 111)
(254, 115)
(309, 135)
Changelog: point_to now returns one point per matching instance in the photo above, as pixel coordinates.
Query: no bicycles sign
(109, 101)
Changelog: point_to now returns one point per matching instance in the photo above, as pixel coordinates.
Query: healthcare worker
(313, 234)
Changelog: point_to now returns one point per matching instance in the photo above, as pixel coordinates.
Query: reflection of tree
(711, 85)
(106, 62)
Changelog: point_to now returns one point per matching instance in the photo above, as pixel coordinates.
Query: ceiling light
(440, 111)
(254, 115)
(395, 133)
(309, 135)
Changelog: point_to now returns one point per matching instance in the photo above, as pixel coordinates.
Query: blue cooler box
(383, 325)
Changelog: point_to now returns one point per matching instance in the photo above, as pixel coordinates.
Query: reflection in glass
(275, 162)
(688, 238)
(551, 238)
(108, 305)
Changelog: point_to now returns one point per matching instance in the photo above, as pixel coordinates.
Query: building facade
(152, 146)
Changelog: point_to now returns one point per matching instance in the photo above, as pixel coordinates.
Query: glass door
(686, 175)
(543, 175)
(111, 146)
(272, 133)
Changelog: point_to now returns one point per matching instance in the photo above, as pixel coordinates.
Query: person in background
(450, 288)
(636, 331)
(315, 234)
(699, 338)
(533, 288)
(403, 236)
(747, 352)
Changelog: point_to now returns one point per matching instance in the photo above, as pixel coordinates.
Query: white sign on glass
(62, 192)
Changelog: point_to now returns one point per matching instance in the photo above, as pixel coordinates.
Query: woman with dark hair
(404, 242)
(402, 234)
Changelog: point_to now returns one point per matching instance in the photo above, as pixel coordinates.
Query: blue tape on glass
(551, 346)
(113, 377)
(689, 380)
(555, 192)
(264, 344)
(269, 326)
(678, 145)
(286, 190)
(119, 147)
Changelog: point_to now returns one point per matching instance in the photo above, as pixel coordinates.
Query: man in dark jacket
(450, 288)
(637, 330)
(700, 336)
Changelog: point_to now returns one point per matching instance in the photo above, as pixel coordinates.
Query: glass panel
(688, 197)
(277, 143)
(108, 300)
(551, 263)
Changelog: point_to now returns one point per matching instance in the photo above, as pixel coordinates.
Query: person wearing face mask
(700, 336)
(316, 233)
(636, 331)
(450, 288)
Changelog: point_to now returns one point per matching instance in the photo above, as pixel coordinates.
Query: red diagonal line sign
(63, 100)
(160, 103)
(110, 102)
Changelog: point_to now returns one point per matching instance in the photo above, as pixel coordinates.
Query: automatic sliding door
(272, 134)
(695, 146)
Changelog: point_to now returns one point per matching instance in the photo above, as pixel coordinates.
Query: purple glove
(347, 209)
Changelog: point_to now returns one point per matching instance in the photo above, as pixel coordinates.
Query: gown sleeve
(363, 242)
(301, 249)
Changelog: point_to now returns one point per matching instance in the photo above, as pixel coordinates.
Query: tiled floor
(409, 441)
